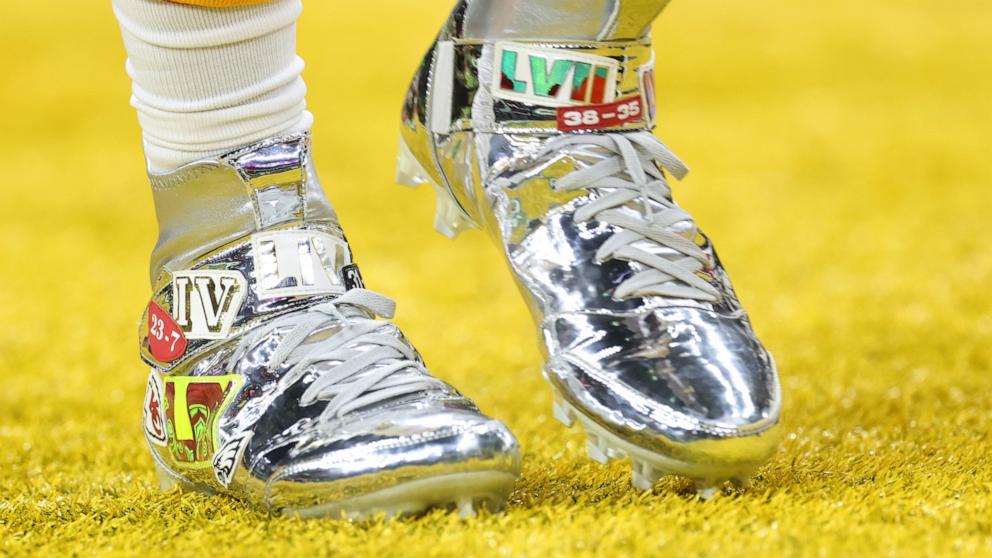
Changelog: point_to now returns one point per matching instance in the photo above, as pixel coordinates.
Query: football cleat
(272, 379)
(536, 126)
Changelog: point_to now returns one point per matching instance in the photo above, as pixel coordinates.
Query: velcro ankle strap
(235, 288)
(541, 87)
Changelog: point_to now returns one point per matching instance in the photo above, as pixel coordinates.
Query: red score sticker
(165, 338)
(594, 117)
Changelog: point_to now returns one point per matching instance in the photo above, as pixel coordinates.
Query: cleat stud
(643, 475)
(706, 489)
(561, 414)
(595, 453)
(615, 453)
(641, 482)
(166, 484)
(166, 481)
(466, 508)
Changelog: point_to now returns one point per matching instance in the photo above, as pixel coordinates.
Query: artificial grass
(840, 155)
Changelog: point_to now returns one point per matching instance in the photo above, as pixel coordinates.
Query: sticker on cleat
(298, 263)
(166, 340)
(226, 459)
(646, 75)
(153, 413)
(206, 302)
(352, 277)
(594, 117)
(193, 405)
(552, 77)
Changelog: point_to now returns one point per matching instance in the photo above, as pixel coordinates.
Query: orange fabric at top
(219, 3)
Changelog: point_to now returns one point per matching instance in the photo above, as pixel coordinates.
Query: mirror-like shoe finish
(528, 136)
(272, 380)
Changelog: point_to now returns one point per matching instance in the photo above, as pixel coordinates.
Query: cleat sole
(465, 493)
(647, 467)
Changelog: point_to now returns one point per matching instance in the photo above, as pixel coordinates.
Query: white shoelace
(370, 356)
(632, 174)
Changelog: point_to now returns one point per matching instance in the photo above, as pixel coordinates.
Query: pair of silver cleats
(540, 133)
(273, 380)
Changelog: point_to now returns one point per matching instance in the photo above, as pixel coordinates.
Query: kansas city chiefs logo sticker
(205, 303)
(154, 413)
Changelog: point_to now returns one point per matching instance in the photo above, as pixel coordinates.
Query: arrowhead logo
(205, 303)
(154, 412)
(552, 77)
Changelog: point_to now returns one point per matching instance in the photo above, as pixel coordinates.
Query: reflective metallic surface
(233, 415)
(559, 19)
(677, 381)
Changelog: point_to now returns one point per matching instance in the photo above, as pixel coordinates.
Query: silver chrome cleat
(272, 380)
(539, 132)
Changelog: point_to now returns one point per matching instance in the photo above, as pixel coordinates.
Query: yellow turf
(841, 156)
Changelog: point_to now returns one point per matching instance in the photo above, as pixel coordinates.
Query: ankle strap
(241, 285)
(542, 87)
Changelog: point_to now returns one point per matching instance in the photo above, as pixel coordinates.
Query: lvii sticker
(552, 77)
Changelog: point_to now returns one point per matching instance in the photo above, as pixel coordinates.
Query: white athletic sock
(208, 80)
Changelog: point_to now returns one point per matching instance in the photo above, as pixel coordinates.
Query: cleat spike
(561, 413)
(643, 475)
(641, 482)
(408, 170)
(466, 508)
(615, 453)
(596, 453)
(706, 489)
(165, 479)
(706, 493)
